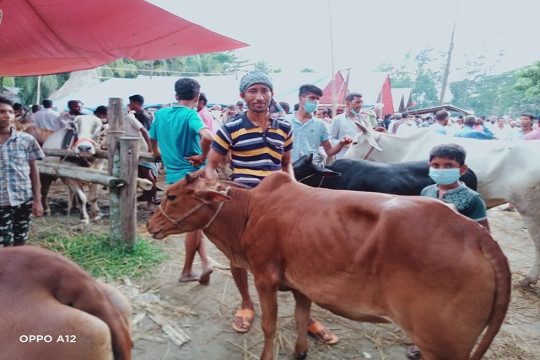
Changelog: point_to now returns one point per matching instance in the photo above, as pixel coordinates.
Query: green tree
(529, 79)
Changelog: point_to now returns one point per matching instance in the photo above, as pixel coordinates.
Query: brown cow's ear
(209, 196)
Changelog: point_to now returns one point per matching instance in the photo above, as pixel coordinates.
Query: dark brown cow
(53, 309)
(365, 256)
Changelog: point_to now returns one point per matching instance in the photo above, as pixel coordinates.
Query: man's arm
(155, 148)
(37, 207)
(214, 159)
(333, 150)
(205, 141)
(146, 138)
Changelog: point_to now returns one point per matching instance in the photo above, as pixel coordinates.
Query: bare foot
(204, 279)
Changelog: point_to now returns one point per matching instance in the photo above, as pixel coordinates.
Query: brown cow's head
(188, 206)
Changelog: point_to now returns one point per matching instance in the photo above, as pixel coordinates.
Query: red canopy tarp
(39, 37)
(341, 91)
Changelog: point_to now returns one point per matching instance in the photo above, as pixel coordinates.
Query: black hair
(387, 116)
(451, 151)
(46, 103)
(296, 106)
(306, 89)
(351, 96)
(441, 115)
(139, 99)
(470, 120)
(36, 108)
(203, 98)
(70, 103)
(17, 106)
(531, 117)
(100, 110)
(404, 115)
(286, 107)
(187, 88)
(5, 100)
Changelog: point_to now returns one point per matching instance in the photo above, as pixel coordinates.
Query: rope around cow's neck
(307, 177)
(191, 212)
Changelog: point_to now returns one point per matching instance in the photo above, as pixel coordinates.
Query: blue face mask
(354, 112)
(444, 176)
(311, 106)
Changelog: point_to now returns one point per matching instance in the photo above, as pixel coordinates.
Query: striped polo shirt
(255, 154)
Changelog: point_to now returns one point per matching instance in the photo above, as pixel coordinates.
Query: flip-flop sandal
(321, 333)
(193, 277)
(204, 279)
(247, 319)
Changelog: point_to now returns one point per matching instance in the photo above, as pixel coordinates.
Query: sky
(294, 34)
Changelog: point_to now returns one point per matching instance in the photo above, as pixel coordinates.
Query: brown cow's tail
(503, 284)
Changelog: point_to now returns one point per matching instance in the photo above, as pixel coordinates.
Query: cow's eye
(171, 197)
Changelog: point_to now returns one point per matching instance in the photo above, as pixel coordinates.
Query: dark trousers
(15, 224)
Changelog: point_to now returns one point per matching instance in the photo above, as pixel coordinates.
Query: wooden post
(115, 116)
(129, 156)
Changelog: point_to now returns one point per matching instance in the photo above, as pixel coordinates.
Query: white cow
(507, 171)
(87, 129)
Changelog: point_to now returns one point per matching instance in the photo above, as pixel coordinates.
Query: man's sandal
(247, 319)
(321, 333)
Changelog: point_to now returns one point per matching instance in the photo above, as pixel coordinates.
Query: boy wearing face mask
(310, 132)
(446, 165)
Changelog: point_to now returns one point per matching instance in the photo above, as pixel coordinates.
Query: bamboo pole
(100, 154)
(116, 129)
(129, 155)
(78, 173)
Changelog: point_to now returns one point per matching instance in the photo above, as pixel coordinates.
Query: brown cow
(365, 256)
(38, 133)
(53, 309)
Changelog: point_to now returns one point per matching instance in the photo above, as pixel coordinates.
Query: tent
(402, 99)
(41, 37)
(159, 90)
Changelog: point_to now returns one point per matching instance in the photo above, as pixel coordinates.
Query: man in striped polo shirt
(259, 146)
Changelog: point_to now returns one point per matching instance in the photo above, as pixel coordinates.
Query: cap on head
(255, 77)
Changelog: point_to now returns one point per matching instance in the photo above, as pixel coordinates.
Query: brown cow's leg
(301, 312)
(92, 199)
(46, 181)
(267, 290)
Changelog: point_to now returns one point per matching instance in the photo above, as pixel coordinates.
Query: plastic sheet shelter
(40, 37)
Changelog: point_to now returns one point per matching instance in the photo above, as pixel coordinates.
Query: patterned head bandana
(255, 77)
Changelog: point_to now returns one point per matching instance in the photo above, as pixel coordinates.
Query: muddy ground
(199, 317)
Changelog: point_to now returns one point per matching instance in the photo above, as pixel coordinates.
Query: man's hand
(346, 141)
(196, 160)
(37, 209)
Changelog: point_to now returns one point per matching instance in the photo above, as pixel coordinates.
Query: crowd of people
(256, 136)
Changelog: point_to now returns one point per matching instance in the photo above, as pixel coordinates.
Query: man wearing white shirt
(48, 118)
(344, 124)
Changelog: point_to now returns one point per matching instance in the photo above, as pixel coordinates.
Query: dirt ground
(198, 318)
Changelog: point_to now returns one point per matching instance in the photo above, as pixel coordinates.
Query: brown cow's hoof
(302, 356)
(413, 353)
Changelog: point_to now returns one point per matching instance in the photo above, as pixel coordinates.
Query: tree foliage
(198, 65)
(529, 79)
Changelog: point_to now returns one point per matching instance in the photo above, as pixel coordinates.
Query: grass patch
(100, 259)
